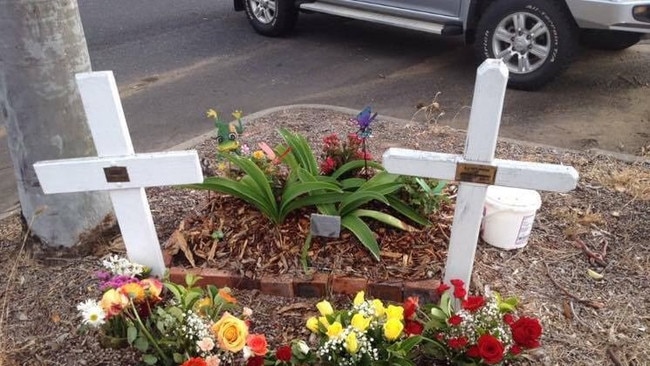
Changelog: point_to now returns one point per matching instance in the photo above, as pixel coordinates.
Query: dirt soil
(601, 226)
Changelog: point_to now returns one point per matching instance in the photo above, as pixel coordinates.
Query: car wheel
(536, 39)
(271, 17)
(608, 40)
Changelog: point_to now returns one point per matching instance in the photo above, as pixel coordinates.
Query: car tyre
(609, 40)
(271, 18)
(537, 39)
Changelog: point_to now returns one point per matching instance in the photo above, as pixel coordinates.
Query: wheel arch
(239, 5)
(477, 7)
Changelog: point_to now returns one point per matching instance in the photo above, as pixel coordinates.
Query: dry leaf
(296, 306)
(56, 318)
(177, 242)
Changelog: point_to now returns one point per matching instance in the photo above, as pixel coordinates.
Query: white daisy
(92, 313)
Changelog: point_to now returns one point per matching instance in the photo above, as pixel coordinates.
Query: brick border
(318, 284)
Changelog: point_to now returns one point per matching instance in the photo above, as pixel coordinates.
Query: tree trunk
(42, 46)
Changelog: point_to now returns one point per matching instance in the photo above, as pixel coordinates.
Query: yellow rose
(325, 308)
(359, 322)
(334, 330)
(133, 291)
(395, 312)
(379, 307)
(392, 329)
(351, 343)
(230, 332)
(359, 299)
(312, 324)
(323, 320)
(113, 302)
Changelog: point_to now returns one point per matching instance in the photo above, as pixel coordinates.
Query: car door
(450, 8)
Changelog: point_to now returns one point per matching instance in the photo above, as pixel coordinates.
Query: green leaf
(408, 344)
(149, 359)
(297, 189)
(363, 233)
(141, 344)
(174, 289)
(352, 201)
(355, 164)
(131, 334)
(178, 358)
(352, 184)
(301, 149)
(406, 210)
(385, 218)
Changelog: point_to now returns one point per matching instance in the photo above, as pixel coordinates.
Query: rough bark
(42, 46)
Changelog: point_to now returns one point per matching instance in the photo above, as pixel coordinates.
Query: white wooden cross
(119, 170)
(477, 169)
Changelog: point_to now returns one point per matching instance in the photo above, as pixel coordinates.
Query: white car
(536, 38)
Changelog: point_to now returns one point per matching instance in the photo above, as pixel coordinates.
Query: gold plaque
(116, 174)
(476, 173)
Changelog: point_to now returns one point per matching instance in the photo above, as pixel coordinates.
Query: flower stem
(148, 335)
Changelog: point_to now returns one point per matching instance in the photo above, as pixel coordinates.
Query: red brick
(389, 291)
(277, 286)
(177, 274)
(246, 283)
(348, 285)
(217, 277)
(424, 289)
(315, 286)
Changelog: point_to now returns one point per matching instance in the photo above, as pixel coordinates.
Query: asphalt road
(174, 59)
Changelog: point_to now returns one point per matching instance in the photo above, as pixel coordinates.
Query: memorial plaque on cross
(477, 168)
(118, 170)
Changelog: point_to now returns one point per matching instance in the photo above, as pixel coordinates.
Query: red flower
(455, 320)
(331, 140)
(459, 290)
(257, 344)
(526, 332)
(473, 303)
(413, 327)
(283, 353)
(196, 361)
(328, 165)
(490, 349)
(255, 361)
(515, 350)
(410, 306)
(363, 155)
(442, 288)
(457, 343)
(508, 319)
(473, 352)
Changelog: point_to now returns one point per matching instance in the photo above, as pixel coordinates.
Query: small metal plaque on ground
(325, 225)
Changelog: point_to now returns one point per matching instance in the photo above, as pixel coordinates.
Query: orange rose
(224, 293)
(230, 332)
(134, 291)
(152, 287)
(257, 344)
(113, 302)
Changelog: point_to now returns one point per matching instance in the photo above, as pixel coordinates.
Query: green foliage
(255, 188)
(426, 195)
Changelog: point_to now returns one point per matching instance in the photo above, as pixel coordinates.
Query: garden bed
(587, 321)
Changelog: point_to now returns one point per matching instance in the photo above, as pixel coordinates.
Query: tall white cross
(477, 169)
(119, 170)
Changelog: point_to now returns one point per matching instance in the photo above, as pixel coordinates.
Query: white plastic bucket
(509, 215)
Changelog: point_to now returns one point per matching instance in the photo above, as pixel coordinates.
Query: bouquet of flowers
(484, 330)
(369, 333)
(185, 325)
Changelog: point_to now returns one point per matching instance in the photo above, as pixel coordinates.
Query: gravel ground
(602, 226)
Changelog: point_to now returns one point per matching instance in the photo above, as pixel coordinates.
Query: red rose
(457, 343)
(460, 293)
(410, 306)
(473, 352)
(473, 303)
(255, 361)
(442, 288)
(490, 349)
(196, 361)
(283, 353)
(526, 332)
(515, 350)
(508, 319)
(455, 320)
(459, 289)
(413, 327)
